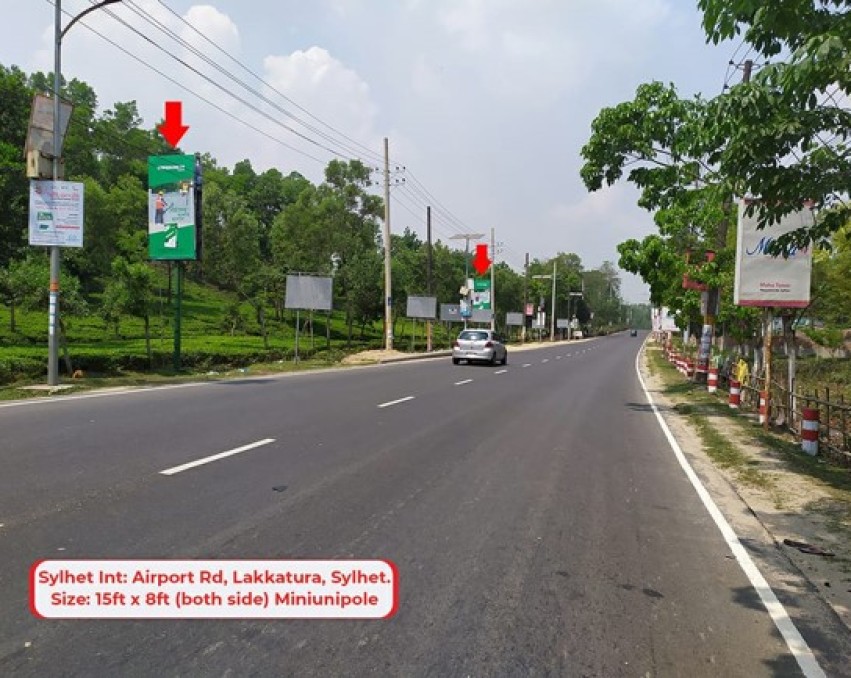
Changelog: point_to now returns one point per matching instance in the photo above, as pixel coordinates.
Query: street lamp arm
(84, 13)
(55, 256)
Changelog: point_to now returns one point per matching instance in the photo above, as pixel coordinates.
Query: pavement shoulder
(781, 504)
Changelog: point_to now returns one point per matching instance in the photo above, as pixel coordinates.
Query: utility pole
(553, 316)
(550, 276)
(493, 280)
(525, 298)
(428, 274)
(388, 284)
(711, 297)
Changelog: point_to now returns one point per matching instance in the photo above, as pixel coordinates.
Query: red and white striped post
(809, 430)
(735, 394)
(690, 368)
(712, 380)
(763, 407)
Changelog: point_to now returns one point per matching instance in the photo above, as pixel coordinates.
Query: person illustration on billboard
(160, 208)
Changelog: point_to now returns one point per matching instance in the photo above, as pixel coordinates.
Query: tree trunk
(792, 363)
(262, 317)
(64, 343)
(168, 264)
(148, 341)
(328, 331)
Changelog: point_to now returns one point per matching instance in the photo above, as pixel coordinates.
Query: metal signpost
(308, 292)
(173, 232)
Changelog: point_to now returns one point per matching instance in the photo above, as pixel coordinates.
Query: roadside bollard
(712, 380)
(735, 394)
(809, 430)
(690, 369)
(763, 407)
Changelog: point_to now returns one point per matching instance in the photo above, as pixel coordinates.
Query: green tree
(19, 282)
(130, 291)
(231, 238)
(15, 103)
(784, 134)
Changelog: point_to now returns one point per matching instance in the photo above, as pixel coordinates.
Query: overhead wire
(376, 157)
(440, 211)
(194, 93)
(224, 89)
(350, 152)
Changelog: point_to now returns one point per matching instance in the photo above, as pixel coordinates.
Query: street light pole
(550, 276)
(53, 304)
(467, 237)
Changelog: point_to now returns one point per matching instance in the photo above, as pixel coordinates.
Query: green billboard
(171, 208)
(481, 294)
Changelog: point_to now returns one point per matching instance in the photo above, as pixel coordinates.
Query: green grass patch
(210, 339)
(835, 478)
(727, 456)
(700, 407)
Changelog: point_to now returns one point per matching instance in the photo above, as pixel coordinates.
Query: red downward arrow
(172, 127)
(481, 262)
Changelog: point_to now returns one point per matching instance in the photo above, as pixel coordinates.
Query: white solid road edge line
(396, 402)
(98, 394)
(215, 457)
(794, 641)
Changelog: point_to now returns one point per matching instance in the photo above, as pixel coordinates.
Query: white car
(479, 346)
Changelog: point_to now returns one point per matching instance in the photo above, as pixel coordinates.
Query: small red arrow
(481, 262)
(172, 128)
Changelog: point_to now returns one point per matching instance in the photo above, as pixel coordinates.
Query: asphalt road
(537, 516)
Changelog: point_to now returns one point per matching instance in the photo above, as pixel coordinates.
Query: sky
(486, 103)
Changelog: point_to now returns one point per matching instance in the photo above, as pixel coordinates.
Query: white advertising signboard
(664, 320)
(56, 213)
(764, 280)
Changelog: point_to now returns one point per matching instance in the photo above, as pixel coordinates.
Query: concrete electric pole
(388, 283)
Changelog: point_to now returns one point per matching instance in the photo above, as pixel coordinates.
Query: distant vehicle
(577, 334)
(633, 333)
(479, 346)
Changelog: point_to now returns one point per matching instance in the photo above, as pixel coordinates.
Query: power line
(195, 94)
(260, 95)
(377, 157)
(440, 210)
(224, 89)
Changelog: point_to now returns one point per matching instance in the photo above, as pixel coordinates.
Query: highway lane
(536, 515)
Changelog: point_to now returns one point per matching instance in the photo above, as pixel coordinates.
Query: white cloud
(467, 20)
(329, 90)
(488, 102)
(213, 25)
(426, 78)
